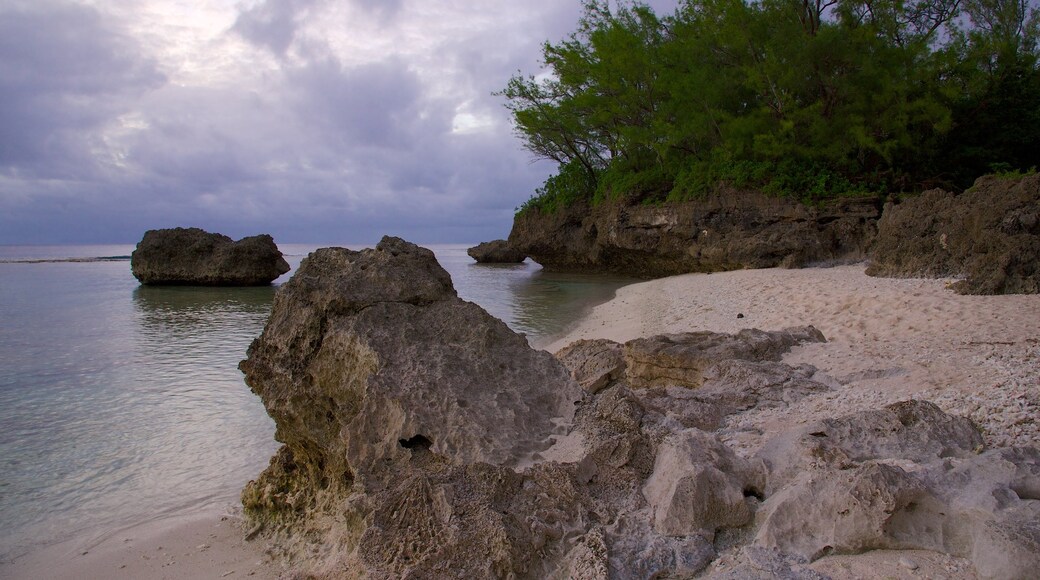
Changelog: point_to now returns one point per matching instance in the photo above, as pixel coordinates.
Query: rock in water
(496, 252)
(191, 256)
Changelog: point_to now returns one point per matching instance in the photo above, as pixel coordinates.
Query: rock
(681, 359)
(904, 477)
(593, 363)
(908, 563)
(496, 252)
(367, 355)
(758, 563)
(915, 431)
(403, 410)
(192, 256)
(424, 439)
(838, 511)
(699, 486)
(992, 507)
(989, 234)
(725, 231)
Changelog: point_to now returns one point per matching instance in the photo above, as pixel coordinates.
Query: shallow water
(121, 403)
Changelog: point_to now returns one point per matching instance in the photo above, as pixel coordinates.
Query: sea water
(121, 404)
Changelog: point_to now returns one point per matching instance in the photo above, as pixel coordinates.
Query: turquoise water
(121, 403)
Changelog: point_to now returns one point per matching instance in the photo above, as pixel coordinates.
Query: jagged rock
(839, 511)
(916, 431)
(593, 363)
(416, 430)
(368, 354)
(904, 477)
(989, 234)
(405, 414)
(681, 359)
(992, 504)
(192, 256)
(496, 252)
(725, 231)
(699, 486)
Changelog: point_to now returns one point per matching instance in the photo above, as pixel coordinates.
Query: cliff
(989, 236)
(726, 231)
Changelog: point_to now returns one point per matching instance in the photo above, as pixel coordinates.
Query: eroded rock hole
(752, 492)
(416, 443)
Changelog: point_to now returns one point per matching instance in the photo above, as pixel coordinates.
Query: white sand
(888, 339)
(206, 545)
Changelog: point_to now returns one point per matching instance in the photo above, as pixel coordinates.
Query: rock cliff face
(721, 232)
(423, 439)
(192, 256)
(989, 235)
(496, 252)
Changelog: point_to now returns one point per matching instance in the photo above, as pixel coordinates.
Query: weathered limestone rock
(424, 439)
(370, 354)
(915, 431)
(726, 231)
(989, 234)
(992, 502)
(593, 363)
(904, 477)
(840, 511)
(195, 257)
(496, 252)
(699, 486)
(681, 359)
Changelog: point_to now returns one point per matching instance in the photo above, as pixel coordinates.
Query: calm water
(121, 403)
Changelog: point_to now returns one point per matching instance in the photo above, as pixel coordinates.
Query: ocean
(121, 404)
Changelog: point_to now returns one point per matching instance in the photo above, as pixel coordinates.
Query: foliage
(811, 99)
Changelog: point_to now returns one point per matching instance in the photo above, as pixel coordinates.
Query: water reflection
(547, 304)
(186, 306)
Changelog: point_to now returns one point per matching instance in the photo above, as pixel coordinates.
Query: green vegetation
(806, 98)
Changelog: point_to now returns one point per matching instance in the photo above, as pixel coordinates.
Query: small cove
(121, 404)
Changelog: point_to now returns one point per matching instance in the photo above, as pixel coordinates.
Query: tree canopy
(811, 98)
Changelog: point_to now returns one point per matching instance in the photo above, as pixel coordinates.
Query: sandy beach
(887, 340)
(209, 544)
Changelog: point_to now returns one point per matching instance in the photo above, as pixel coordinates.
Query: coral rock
(190, 256)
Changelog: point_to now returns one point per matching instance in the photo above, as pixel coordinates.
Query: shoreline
(888, 340)
(204, 544)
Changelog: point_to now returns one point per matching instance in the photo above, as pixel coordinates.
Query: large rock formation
(424, 439)
(989, 235)
(725, 231)
(496, 252)
(191, 256)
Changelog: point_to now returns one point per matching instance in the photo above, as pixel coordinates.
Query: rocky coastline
(988, 235)
(422, 438)
(726, 231)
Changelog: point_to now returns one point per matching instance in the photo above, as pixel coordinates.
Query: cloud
(64, 71)
(314, 120)
(272, 23)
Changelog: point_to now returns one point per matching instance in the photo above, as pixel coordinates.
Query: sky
(312, 120)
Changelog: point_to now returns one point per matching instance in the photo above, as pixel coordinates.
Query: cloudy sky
(313, 120)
